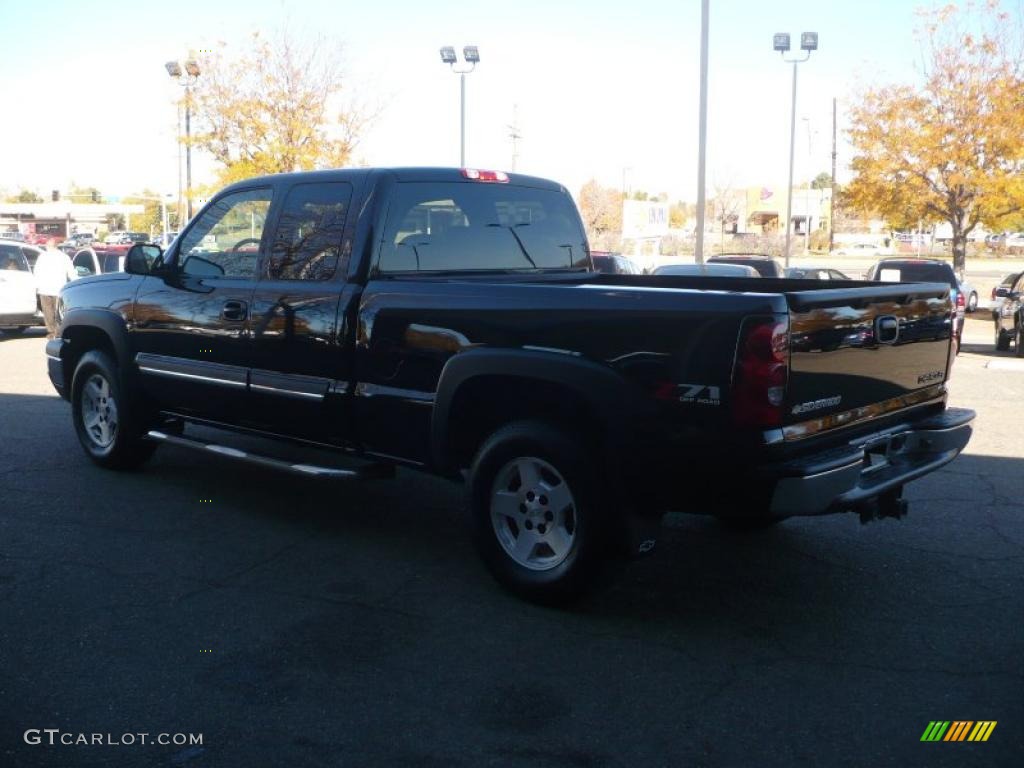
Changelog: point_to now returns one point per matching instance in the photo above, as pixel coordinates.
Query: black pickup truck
(450, 320)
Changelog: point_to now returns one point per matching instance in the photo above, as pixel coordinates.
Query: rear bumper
(854, 475)
(55, 365)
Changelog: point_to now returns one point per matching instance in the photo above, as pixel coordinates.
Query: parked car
(999, 296)
(450, 321)
(30, 252)
(611, 263)
(815, 273)
(99, 260)
(18, 303)
(76, 242)
(995, 240)
(861, 249)
(903, 270)
(766, 266)
(1009, 317)
(13, 235)
(1014, 243)
(708, 270)
(970, 295)
(125, 238)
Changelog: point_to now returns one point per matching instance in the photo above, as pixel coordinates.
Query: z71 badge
(700, 394)
(927, 378)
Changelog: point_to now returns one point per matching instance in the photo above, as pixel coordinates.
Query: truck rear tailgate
(862, 351)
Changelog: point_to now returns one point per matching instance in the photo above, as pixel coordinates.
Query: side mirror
(140, 258)
(1001, 293)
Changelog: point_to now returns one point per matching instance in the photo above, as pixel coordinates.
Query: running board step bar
(377, 471)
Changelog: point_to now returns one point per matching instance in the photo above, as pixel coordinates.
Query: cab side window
(308, 242)
(225, 240)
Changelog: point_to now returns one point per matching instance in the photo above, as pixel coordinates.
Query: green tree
(277, 105)
(950, 148)
(822, 181)
(25, 196)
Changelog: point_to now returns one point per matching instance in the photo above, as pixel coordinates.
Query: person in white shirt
(53, 269)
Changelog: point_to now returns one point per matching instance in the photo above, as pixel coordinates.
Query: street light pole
(702, 132)
(471, 54)
(808, 43)
(186, 75)
(462, 119)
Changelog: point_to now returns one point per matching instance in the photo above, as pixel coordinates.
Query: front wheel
(106, 422)
(538, 512)
(1002, 339)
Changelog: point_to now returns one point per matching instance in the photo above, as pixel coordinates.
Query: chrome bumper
(857, 474)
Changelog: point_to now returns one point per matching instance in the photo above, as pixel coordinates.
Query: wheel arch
(89, 329)
(480, 390)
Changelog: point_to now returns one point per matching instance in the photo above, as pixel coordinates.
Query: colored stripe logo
(958, 730)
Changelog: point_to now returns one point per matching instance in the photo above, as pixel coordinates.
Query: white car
(1014, 243)
(860, 249)
(18, 303)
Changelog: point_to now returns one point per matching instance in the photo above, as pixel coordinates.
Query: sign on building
(642, 219)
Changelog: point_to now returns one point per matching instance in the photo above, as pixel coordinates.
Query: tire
(538, 512)
(1019, 346)
(106, 421)
(1002, 340)
(972, 302)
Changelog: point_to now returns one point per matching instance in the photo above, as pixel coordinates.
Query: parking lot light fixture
(781, 44)
(471, 54)
(186, 78)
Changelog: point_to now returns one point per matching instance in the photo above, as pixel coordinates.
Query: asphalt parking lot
(298, 623)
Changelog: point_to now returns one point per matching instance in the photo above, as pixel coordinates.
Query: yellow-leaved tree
(277, 105)
(950, 148)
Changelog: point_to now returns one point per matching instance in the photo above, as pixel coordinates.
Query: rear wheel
(972, 302)
(538, 512)
(106, 421)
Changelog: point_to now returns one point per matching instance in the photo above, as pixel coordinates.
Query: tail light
(960, 302)
(476, 175)
(761, 373)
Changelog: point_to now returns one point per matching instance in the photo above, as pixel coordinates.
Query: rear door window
(307, 244)
(472, 226)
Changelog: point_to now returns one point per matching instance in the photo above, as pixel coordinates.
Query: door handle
(234, 310)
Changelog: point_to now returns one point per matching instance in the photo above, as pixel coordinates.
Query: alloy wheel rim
(99, 411)
(533, 513)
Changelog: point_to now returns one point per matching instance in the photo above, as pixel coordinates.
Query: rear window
(452, 226)
(914, 272)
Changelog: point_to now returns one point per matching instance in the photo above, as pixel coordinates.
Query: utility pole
(515, 135)
(832, 200)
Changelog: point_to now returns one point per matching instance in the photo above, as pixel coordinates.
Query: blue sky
(600, 87)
